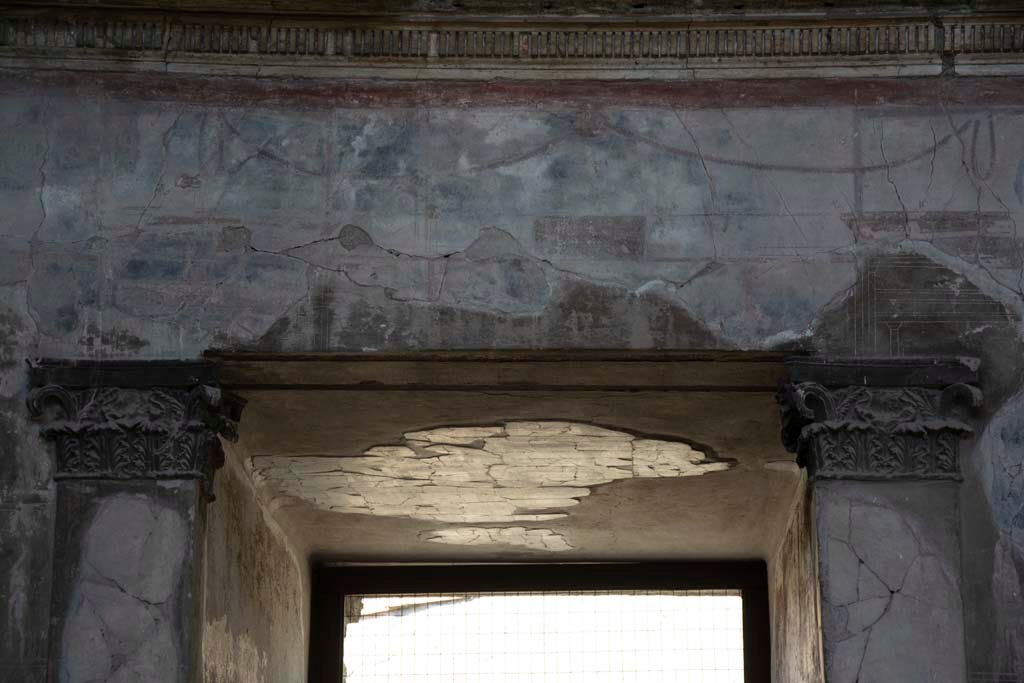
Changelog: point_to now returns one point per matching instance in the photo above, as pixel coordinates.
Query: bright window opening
(657, 636)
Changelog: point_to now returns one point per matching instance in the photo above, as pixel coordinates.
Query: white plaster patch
(230, 656)
(516, 472)
(535, 539)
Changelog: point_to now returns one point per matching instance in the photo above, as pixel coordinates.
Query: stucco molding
(871, 432)
(129, 433)
(438, 47)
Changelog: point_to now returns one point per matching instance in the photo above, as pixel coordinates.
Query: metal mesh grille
(537, 637)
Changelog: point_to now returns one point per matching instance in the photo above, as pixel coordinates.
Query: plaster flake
(232, 656)
(516, 472)
(535, 539)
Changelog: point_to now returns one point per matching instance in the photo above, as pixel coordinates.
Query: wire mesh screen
(545, 637)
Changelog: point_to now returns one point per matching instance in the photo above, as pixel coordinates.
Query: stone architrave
(136, 449)
(881, 443)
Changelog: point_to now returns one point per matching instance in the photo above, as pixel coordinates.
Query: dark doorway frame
(330, 585)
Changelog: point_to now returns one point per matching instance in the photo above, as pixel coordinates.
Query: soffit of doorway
(720, 484)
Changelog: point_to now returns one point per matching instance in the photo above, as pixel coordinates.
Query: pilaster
(136, 448)
(881, 442)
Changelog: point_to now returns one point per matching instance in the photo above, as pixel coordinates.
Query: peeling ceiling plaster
(535, 539)
(513, 473)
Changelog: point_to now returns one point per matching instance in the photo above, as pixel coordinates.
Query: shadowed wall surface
(256, 578)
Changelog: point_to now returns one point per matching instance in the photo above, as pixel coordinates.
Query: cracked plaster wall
(890, 581)
(140, 227)
(126, 571)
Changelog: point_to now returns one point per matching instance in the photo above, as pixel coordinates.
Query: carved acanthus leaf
(115, 433)
(862, 432)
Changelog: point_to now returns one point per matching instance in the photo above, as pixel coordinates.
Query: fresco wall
(157, 217)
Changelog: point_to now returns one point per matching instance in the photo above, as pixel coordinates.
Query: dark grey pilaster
(880, 440)
(136, 449)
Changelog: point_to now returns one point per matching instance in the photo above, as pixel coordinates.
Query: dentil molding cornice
(519, 47)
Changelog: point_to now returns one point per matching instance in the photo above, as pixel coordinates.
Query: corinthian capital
(122, 428)
(879, 426)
